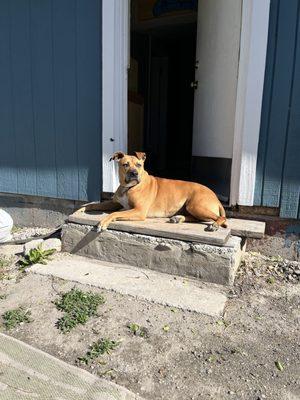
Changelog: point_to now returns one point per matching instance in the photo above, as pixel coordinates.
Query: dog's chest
(123, 200)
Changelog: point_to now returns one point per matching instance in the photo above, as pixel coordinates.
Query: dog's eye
(126, 165)
(139, 165)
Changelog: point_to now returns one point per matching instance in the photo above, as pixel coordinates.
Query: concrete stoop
(209, 263)
(183, 293)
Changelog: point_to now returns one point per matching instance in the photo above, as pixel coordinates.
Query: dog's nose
(133, 173)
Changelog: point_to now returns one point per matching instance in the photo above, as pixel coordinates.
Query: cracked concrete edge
(232, 243)
(22, 361)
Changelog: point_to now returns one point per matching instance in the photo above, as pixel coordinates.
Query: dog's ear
(117, 155)
(140, 155)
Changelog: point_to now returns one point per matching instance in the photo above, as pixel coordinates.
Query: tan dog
(144, 196)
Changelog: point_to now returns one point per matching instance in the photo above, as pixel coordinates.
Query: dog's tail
(223, 215)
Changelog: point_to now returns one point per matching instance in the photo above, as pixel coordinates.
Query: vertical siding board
(22, 96)
(64, 49)
(280, 102)
(291, 174)
(88, 99)
(42, 76)
(267, 100)
(50, 98)
(8, 167)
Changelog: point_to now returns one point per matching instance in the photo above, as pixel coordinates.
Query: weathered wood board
(246, 228)
(191, 232)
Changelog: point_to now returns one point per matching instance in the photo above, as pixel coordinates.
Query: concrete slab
(152, 286)
(209, 263)
(32, 374)
(161, 227)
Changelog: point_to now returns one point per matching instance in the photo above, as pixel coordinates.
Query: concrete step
(187, 294)
(209, 263)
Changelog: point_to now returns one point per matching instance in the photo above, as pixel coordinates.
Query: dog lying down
(142, 196)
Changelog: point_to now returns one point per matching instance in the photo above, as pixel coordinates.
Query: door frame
(251, 75)
(115, 60)
(253, 50)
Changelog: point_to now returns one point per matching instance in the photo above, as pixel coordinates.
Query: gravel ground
(250, 353)
(26, 232)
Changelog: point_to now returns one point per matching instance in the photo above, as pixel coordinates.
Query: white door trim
(253, 50)
(115, 43)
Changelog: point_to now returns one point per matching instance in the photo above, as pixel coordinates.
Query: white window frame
(253, 50)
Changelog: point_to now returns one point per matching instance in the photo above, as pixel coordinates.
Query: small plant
(36, 256)
(271, 280)
(212, 358)
(5, 263)
(78, 307)
(138, 330)
(15, 317)
(223, 322)
(279, 366)
(102, 346)
(16, 229)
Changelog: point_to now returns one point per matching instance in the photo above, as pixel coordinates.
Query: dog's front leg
(129, 215)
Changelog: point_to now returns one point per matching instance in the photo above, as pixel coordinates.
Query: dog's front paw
(80, 210)
(103, 225)
(100, 228)
(212, 227)
(177, 219)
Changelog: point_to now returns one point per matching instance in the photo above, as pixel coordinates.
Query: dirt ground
(199, 357)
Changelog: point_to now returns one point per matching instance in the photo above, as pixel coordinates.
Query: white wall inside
(218, 42)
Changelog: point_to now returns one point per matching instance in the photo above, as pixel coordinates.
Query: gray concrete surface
(186, 294)
(39, 211)
(208, 263)
(26, 372)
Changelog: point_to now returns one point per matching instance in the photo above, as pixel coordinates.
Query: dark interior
(166, 66)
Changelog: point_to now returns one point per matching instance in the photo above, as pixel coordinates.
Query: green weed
(15, 317)
(99, 348)
(36, 256)
(138, 330)
(78, 306)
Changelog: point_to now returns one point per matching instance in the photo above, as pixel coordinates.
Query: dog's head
(131, 168)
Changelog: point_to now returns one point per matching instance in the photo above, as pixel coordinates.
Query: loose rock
(52, 244)
(33, 244)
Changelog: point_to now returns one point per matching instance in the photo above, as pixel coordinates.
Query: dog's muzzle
(132, 176)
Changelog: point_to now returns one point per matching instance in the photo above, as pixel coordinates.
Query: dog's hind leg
(202, 213)
(108, 205)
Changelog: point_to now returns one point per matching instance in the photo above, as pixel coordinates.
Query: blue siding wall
(278, 165)
(50, 98)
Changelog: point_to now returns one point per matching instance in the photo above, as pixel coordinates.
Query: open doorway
(182, 85)
(160, 96)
